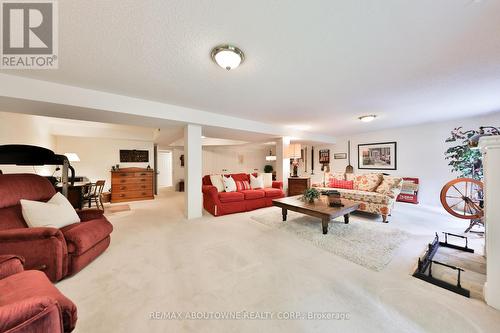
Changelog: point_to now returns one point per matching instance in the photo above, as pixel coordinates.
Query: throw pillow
(256, 182)
(229, 184)
(55, 213)
(350, 176)
(337, 175)
(390, 186)
(242, 185)
(216, 181)
(268, 179)
(344, 184)
(367, 182)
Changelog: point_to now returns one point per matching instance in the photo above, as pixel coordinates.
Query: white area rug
(369, 244)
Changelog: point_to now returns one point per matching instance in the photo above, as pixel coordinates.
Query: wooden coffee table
(319, 209)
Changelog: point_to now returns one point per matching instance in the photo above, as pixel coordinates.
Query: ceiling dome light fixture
(367, 118)
(227, 56)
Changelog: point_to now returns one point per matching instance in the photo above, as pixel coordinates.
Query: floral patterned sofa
(375, 192)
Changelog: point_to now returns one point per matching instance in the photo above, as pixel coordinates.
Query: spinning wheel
(463, 198)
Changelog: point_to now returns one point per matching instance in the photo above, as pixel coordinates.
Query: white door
(164, 168)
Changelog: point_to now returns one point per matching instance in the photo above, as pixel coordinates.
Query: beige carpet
(369, 244)
(474, 264)
(158, 261)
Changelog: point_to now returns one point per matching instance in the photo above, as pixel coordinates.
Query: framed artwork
(134, 156)
(340, 156)
(324, 156)
(377, 156)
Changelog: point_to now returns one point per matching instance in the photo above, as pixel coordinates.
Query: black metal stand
(33, 155)
(473, 223)
(453, 246)
(424, 268)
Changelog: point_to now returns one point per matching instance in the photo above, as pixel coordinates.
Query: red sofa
(235, 202)
(58, 252)
(29, 302)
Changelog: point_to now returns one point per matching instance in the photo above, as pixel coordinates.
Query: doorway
(164, 168)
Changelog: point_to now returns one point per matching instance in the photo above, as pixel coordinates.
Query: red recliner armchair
(57, 252)
(29, 302)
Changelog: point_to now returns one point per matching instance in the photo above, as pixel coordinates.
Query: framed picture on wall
(377, 156)
(340, 156)
(134, 156)
(324, 156)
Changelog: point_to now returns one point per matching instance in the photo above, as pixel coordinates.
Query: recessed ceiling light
(227, 56)
(203, 137)
(367, 118)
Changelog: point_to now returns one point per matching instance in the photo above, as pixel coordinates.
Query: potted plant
(311, 194)
(466, 162)
(268, 168)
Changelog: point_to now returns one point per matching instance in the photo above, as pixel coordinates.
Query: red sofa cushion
(236, 176)
(253, 194)
(12, 218)
(240, 176)
(14, 187)
(344, 184)
(206, 180)
(90, 214)
(29, 284)
(82, 236)
(242, 185)
(35, 314)
(10, 264)
(272, 192)
(231, 196)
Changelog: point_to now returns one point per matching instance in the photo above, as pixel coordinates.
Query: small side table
(297, 185)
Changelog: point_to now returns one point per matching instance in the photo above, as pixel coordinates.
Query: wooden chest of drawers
(130, 184)
(297, 185)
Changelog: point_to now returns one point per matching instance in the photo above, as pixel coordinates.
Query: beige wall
(25, 129)
(97, 155)
(420, 153)
(217, 158)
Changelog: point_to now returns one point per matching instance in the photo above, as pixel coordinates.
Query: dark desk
(75, 193)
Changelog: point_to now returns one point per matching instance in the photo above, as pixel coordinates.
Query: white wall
(29, 130)
(234, 159)
(491, 150)
(178, 171)
(420, 153)
(193, 198)
(98, 155)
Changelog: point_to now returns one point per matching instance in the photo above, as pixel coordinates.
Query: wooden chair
(93, 191)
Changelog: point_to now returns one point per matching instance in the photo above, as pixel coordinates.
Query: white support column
(283, 161)
(192, 171)
(490, 146)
